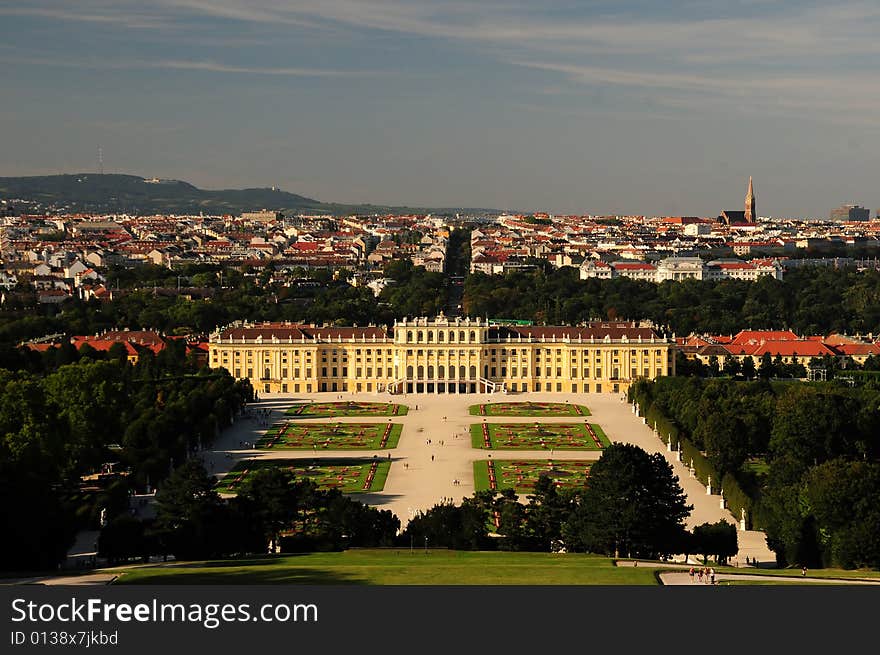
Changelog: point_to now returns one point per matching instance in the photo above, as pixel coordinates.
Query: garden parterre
(529, 408)
(522, 475)
(347, 475)
(539, 436)
(333, 436)
(347, 408)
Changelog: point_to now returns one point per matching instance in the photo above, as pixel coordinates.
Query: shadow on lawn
(269, 575)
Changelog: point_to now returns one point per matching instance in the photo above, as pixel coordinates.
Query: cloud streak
(189, 65)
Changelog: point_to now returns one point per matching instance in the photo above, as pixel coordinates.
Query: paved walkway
(424, 482)
(684, 578)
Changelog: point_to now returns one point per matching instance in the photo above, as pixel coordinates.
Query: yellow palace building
(443, 355)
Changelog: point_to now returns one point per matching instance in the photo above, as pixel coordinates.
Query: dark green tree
(633, 506)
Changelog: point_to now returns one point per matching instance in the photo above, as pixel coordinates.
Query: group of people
(705, 575)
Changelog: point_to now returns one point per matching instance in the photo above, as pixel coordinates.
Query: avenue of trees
(81, 411)
(803, 459)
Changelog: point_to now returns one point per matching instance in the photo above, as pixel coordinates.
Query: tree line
(802, 458)
(632, 507)
(809, 300)
(84, 412)
(318, 299)
(272, 511)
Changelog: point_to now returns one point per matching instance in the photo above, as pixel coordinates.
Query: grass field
(538, 436)
(350, 408)
(347, 475)
(331, 436)
(528, 409)
(399, 567)
(521, 475)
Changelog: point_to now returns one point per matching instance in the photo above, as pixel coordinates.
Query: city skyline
(619, 108)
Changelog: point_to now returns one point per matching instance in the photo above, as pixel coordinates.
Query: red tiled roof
(104, 345)
(635, 266)
(788, 348)
(751, 337)
(858, 349)
(597, 331)
(736, 266)
(285, 332)
(40, 347)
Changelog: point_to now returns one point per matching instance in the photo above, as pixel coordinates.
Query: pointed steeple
(750, 203)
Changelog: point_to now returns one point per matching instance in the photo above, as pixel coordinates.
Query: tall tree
(633, 506)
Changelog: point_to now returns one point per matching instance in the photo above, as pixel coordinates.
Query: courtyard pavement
(444, 419)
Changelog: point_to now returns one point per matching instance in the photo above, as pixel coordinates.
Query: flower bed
(347, 408)
(347, 475)
(528, 409)
(539, 436)
(522, 475)
(332, 436)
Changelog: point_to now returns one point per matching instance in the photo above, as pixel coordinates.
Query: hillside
(108, 193)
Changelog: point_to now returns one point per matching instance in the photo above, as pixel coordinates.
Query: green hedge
(734, 495)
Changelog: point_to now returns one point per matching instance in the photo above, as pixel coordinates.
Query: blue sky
(604, 107)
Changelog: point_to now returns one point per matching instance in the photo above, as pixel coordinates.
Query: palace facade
(442, 355)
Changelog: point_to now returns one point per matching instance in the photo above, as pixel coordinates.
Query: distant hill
(131, 194)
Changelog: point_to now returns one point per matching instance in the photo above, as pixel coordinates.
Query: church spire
(750, 203)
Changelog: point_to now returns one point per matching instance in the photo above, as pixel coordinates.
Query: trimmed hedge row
(735, 496)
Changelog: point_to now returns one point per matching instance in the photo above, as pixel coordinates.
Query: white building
(683, 268)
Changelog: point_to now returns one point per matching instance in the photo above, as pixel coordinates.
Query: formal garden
(331, 436)
(522, 475)
(528, 409)
(347, 475)
(348, 408)
(538, 436)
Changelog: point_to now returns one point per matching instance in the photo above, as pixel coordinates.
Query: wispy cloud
(786, 56)
(807, 94)
(90, 12)
(185, 65)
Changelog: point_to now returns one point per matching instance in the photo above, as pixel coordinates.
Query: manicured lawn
(538, 436)
(399, 566)
(757, 465)
(528, 409)
(347, 475)
(331, 436)
(521, 475)
(350, 408)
